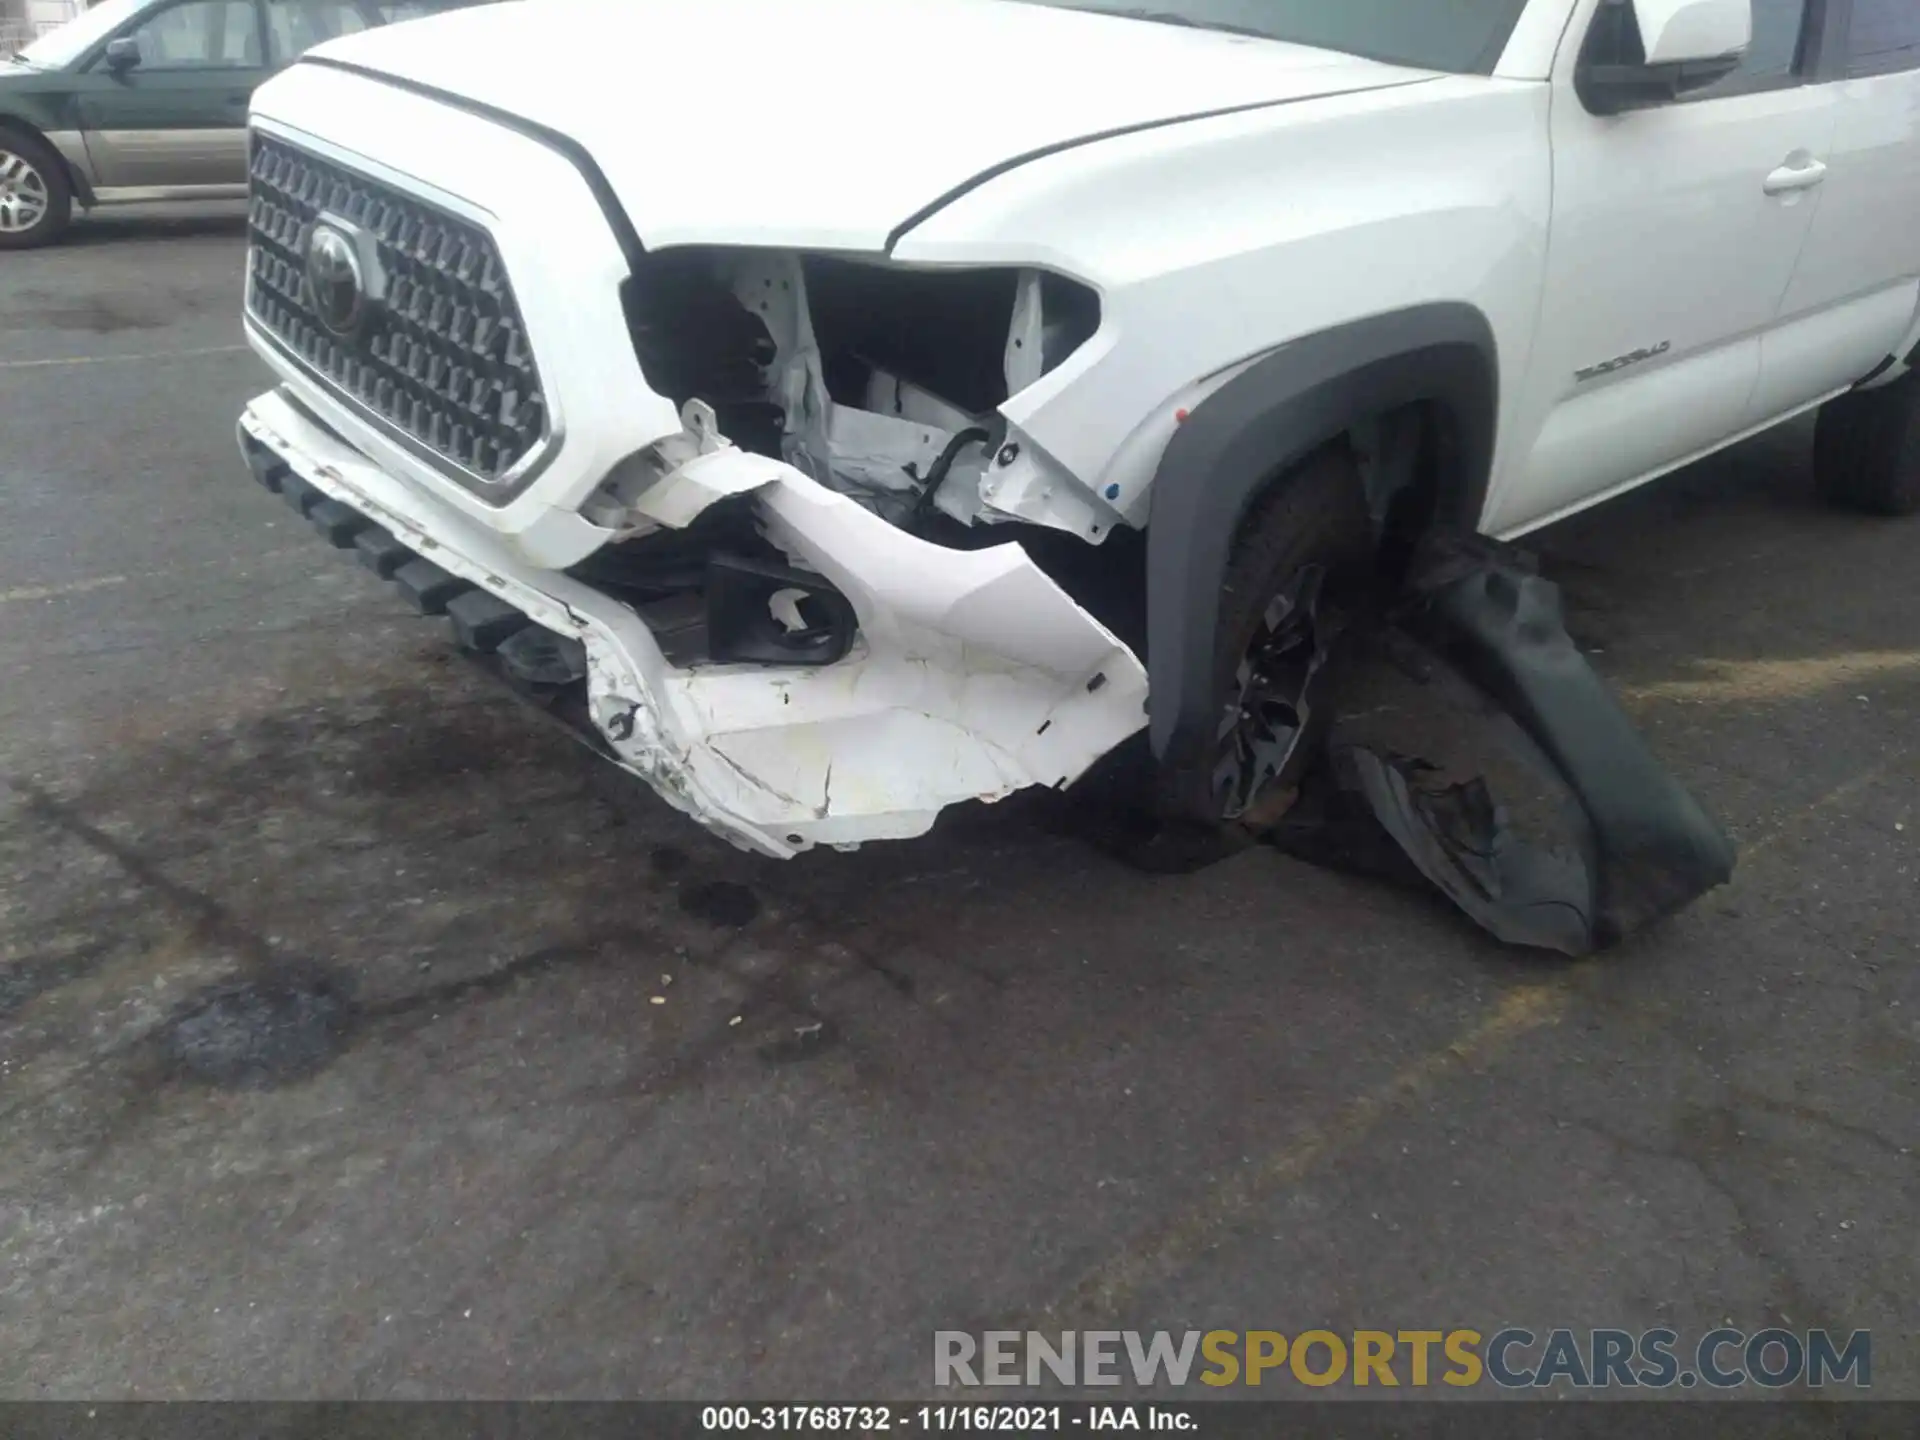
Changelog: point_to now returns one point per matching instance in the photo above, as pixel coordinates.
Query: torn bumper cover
(1643, 847)
(972, 674)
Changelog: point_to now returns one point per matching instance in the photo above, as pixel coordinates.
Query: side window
(200, 35)
(1774, 57)
(296, 26)
(1885, 37)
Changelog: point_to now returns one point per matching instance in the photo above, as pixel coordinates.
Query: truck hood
(835, 125)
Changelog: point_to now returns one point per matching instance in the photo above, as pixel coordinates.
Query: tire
(36, 196)
(1312, 519)
(1867, 449)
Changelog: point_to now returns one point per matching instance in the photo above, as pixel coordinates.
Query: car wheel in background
(36, 200)
(1867, 448)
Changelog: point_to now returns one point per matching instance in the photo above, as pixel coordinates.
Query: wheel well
(1409, 463)
(1412, 394)
(76, 182)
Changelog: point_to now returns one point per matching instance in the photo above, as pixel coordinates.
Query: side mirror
(1649, 52)
(1692, 32)
(122, 55)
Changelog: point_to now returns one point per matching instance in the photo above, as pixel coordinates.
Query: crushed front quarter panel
(974, 674)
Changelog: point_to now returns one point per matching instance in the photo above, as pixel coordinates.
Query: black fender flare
(1250, 432)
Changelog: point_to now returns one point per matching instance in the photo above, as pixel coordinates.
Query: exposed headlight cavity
(860, 373)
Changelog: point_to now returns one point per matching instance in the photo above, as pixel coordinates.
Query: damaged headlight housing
(876, 381)
(862, 373)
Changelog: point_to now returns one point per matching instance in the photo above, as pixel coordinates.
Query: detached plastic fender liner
(1250, 432)
(1652, 849)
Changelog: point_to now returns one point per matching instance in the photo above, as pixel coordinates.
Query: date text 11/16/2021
(1007, 1419)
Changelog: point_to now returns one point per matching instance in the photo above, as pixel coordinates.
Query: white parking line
(53, 592)
(117, 359)
(105, 582)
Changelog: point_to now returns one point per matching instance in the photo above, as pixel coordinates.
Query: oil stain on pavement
(260, 1032)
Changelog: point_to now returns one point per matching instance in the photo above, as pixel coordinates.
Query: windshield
(59, 48)
(1463, 36)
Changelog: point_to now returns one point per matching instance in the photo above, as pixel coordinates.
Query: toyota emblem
(338, 283)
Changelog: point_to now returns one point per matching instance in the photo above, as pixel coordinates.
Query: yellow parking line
(1162, 1251)
(1165, 1249)
(1761, 682)
(1842, 791)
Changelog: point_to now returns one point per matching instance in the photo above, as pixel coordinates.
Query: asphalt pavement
(358, 1040)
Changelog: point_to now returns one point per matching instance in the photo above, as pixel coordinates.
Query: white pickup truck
(842, 410)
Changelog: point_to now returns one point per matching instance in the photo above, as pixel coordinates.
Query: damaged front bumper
(972, 674)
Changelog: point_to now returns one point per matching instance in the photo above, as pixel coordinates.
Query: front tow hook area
(760, 613)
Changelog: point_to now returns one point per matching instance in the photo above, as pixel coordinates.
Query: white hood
(829, 124)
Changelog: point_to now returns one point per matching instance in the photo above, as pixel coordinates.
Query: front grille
(444, 359)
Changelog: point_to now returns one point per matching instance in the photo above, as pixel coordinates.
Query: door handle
(1803, 175)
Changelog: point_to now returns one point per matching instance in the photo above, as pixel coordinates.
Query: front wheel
(1867, 448)
(36, 200)
(1300, 576)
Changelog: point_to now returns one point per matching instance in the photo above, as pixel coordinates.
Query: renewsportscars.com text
(1511, 1358)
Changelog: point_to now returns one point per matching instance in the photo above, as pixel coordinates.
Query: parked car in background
(140, 100)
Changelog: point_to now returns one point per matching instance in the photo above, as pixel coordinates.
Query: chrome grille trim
(444, 365)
